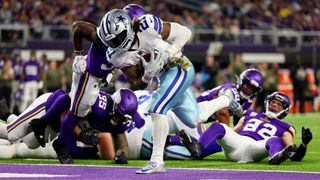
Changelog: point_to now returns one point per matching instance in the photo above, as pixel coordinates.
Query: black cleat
(194, 147)
(62, 152)
(38, 126)
(283, 155)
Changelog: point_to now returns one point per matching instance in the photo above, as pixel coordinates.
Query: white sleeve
(179, 35)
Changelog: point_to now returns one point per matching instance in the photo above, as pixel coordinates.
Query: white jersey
(149, 40)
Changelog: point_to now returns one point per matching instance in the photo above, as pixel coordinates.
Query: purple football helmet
(125, 105)
(250, 83)
(134, 10)
(283, 99)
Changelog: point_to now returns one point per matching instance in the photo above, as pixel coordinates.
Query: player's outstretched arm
(122, 148)
(302, 149)
(86, 30)
(239, 125)
(106, 148)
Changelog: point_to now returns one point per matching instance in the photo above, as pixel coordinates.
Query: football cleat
(62, 152)
(152, 167)
(194, 147)
(283, 155)
(38, 126)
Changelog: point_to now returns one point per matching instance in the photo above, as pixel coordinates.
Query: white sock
(22, 151)
(159, 132)
(4, 142)
(7, 152)
(11, 118)
(208, 108)
(3, 131)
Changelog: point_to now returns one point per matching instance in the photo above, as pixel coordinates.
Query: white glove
(154, 66)
(79, 64)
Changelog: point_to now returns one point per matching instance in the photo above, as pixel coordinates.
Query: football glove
(89, 136)
(79, 64)
(154, 66)
(306, 135)
(120, 157)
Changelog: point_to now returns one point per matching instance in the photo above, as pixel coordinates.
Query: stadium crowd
(219, 15)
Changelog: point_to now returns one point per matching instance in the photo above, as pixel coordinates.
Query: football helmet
(125, 104)
(115, 30)
(271, 111)
(250, 83)
(134, 10)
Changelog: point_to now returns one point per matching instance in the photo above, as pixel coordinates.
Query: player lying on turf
(258, 135)
(249, 84)
(139, 140)
(109, 114)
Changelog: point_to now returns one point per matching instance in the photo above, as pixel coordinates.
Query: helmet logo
(255, 83)
(120, 18)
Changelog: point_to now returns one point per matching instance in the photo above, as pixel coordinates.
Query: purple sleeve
(210, 94)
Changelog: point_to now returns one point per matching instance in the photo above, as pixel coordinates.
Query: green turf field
(311, 162)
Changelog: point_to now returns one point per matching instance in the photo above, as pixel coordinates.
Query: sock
(159, 133)
(7, 152)
(67, 126)
(274, 146)
(209, 139)
(208, 108)
(22, 151)
(4, 142)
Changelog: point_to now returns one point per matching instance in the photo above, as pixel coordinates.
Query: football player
(109, 114)
(249, 84)
(259, 134)
(160, 42)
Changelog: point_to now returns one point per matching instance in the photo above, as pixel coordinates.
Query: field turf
(311, 162)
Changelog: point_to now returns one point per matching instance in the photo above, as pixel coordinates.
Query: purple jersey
(31, 71)
(99, 117)
(213, 93)
(258, 126)
(101, 114)
(97, 64)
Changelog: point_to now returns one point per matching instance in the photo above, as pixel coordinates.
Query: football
(140, 69)
(147, 57)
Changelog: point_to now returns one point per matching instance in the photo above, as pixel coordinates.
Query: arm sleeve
(300, 153)
(179, 35)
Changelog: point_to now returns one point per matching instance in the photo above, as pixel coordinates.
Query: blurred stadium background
(279, 37)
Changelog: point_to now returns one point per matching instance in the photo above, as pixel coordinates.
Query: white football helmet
(115, 30)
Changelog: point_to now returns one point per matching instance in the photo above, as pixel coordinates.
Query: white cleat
(152, 167)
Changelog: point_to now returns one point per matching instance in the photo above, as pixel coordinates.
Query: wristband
(78, 52)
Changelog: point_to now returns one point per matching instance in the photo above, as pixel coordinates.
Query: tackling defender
(249, 84)
(109, 114)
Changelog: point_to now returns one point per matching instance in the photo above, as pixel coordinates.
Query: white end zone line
(193, 169)
(25, 175)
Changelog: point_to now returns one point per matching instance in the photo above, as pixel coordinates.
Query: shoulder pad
(150, 25)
